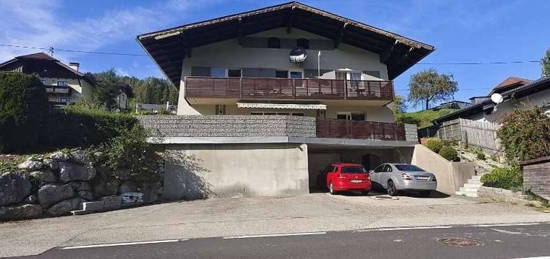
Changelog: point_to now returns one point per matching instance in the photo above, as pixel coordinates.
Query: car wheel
(425, 193)
(392, 191)
(365, 193)
(331, 189)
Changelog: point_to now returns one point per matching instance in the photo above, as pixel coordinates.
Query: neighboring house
(518, 93)
(64, 83)
(270, 97)
(452, 105)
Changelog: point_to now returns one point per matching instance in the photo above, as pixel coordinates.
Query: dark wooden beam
(340, 35)
(386, 55)
(290, 20)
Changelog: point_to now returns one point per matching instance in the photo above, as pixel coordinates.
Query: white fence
(476, 133)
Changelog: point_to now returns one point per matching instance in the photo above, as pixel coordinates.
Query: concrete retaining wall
(536, 176)
(502, 195)
(229, 125)
(227, 170)
(450, 175)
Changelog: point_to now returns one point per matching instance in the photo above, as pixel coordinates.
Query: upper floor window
(302, 43)
(274, 43)
(62, 83)
(217, 72)
(233, 73)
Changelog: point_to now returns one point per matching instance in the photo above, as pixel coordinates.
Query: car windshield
(354, 170)
(408, 168)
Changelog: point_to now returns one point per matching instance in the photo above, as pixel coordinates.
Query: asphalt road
(469, 241)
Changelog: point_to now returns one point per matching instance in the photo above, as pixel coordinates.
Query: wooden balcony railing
(360, 130)
(283, 88)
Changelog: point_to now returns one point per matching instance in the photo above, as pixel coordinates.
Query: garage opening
(320, 157)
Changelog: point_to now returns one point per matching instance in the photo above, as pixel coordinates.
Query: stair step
(469, 189)
(478, 182)
(472, 185)
(467, 194)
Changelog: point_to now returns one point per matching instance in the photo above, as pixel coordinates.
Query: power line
(51, 49)
(143, 55)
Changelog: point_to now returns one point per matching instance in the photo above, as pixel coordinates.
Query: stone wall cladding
(228, 125)
(411, 132)
(536, 176)
(502, 195)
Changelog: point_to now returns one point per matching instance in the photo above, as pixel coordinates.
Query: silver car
(403, 177)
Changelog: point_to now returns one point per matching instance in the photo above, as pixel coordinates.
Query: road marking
(124, 244)
(277, 235)
(507, 224)
(540, 257)
(506, 231)
(403, 228)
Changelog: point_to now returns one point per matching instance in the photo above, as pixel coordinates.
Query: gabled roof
(509, 83)
(37, 62)
(169, 47)
(515, 93)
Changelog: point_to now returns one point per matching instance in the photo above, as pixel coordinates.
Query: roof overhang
(169, 47)
(288, 106)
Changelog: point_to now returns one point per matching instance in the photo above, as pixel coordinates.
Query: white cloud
(41, 24)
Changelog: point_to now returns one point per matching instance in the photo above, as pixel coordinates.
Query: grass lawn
(422, 118)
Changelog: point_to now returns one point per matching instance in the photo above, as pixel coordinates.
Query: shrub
(524, 134)
(130, 157)
(23, 107)
(449, 153)
(434, 144)
(479, 154)
(78, 126)
(505, 178)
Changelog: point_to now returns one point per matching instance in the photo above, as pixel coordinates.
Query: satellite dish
(497, 98)
(298, 55)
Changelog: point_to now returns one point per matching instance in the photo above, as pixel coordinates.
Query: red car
(347, 177)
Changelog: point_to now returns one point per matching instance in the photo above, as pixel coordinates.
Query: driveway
(253, 216)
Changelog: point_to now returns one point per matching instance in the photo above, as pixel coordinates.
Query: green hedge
(434, 144)
(449, 153)
(83, 127)
(505, 178)
(23, 108)
(525, 135)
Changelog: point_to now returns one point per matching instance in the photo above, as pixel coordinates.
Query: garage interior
(321, 156)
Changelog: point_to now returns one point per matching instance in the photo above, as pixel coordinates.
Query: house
(452, 105)
(270, 97)
(517, 93)
(64, 84)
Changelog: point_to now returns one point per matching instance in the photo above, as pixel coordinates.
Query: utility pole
(51, 51)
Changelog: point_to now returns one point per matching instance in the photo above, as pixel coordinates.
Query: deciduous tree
(429, 86)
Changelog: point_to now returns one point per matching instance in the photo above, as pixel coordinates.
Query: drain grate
(459, 242)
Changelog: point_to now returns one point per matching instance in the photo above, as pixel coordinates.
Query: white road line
(540, 257)
(277, 235)
(506, 231)
(403, 228)
(507, 224)
(124, 244)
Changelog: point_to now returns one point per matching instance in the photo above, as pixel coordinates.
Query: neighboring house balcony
(57, 89)
(287, 89)
(190, 129)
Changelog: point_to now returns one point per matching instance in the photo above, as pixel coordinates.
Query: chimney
(74, 65)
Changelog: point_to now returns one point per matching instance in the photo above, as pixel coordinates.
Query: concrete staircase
(470, 188)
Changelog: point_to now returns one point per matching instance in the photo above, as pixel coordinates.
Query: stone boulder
(25, 211)
(74, 172)
(51, 164)
(32, 199)
(86, 195)
(64, 207)
(128, 186)
(52, 193)
(79, 156)
(60, 156)
(31, 165)
(151, 192)
(14, 188)
(81, 186)
(44, 176)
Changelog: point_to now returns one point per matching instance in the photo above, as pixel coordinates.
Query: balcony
(284, 88)
(262, 126)
(57, 89)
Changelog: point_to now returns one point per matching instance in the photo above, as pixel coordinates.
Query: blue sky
(461, 31)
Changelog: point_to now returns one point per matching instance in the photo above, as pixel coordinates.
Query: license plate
(356, 181)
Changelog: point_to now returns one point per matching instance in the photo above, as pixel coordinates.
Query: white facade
(223, 57)
(78, 89)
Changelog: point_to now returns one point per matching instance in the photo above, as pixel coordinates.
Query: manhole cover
(459, 242)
